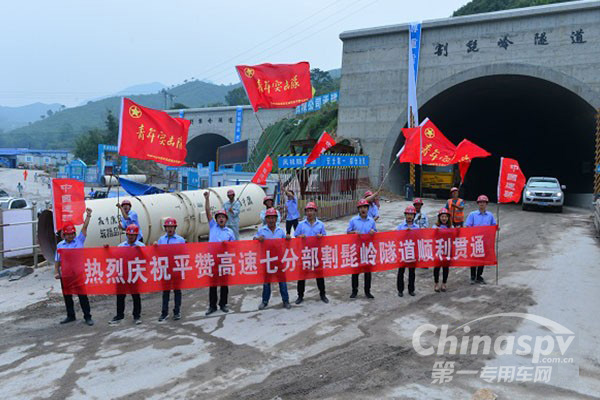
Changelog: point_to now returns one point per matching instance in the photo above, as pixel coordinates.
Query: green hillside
(276, 138)
(59, 129)
(483, 6)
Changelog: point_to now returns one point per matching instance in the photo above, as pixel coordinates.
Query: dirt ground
(346, 349)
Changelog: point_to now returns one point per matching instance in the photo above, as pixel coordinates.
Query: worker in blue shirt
(420, 216)
(480, 217)
(292, 214)
(373, 208)
(269, 203)
(268, 232)
(233, 206)
(129, 217)
(311, 226)
(132, 232)
(409, 215)
(170, 237)
(218, 232)
(73, 242)
(362, 224)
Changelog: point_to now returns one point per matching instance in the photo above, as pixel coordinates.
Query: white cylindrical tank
(187, 207)
(111, 180)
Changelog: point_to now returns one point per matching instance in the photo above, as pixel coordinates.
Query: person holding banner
(170, 237)
(420, 217)
(480, 217)
(409, 215)
(443, 222)
(132, 232)
(268, 202)
(456, 206)
(311, 226)
(218, 232)
(292, 215)
(232, 207)
(129, 217)
(70, 241)
(373, 208)
(272, 231)
(361, 224)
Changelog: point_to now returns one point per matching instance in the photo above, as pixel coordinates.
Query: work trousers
(367, 282)
(213, 298)
(411, 280)
(320, 285)
(137, 306)
(165, 301)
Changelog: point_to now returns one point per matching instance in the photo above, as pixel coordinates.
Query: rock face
(484, 394)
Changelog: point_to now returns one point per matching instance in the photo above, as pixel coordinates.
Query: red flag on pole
(263, 171)
(511, 181)
(465, 152)
(148, 134)
(426, 145)
(323, 144)
(69, 202)
(276, 85)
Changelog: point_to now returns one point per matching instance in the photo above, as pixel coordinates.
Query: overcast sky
(70, 51)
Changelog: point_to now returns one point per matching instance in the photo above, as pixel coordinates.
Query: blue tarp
(138, 189)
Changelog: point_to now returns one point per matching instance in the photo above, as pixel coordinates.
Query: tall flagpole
(498, 214)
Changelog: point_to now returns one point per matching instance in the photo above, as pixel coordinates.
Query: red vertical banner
(69, 202)
(323, 144)
(148, 134)
(263, 171)
(511, 181)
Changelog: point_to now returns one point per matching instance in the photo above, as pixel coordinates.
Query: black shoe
(262, 305)
(324, 299)
(299, 300)
(67, 320)
(89, 322)
(176, 316)
(353, 295)
(481, 281)
(210, 310)
(163, 317)
(411, 293)
(400, 294)
(368, 295)
(115, 321)
(286, 305)
(224, 308)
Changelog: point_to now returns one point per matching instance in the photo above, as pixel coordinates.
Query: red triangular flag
(465, 152)
(426, 145)
(324, 143)
(263, 171)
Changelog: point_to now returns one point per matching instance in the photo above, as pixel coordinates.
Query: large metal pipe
(187, 207)
(111, 180)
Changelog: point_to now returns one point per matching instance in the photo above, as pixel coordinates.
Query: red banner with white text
(123, 270)
(69, 202)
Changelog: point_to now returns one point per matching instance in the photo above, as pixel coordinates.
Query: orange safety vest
(457, 216)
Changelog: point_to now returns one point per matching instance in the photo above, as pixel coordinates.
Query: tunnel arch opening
(546, 127)
(203, 148)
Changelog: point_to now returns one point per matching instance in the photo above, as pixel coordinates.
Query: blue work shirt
(233, 214)
(132, 218)
(262, 217)
(136, 243)
(292, 209)
(373, 211)
(477, 218)
(441, 226)
(361, 225)
(166, 239)
(421, 220)
(76, 243)
(218, 234)
(404, 226)
(305, 228)
(269, 234)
